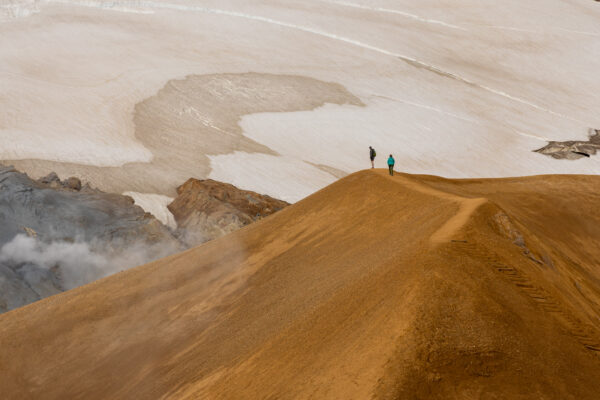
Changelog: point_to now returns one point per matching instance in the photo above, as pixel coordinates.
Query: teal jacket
(391, 161)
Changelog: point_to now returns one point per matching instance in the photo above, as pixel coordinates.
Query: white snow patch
(156, 205)
(411, 60)
(19, 9)
(393, 11)
(422, 141)
(542, 31)
(134, 7)
(57, 146)
(285, 178)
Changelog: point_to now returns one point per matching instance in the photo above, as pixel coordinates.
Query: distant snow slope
(155, 204)
(458, 88)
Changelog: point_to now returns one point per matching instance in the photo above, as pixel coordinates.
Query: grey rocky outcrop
(56, 235)
(573, 149)
(59, 234)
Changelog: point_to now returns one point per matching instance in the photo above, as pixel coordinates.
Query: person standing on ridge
(372, 155)
(391, 163)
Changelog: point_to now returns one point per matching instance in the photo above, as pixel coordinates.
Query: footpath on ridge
(466, 206)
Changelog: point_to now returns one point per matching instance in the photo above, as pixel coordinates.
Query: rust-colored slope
(378, 287)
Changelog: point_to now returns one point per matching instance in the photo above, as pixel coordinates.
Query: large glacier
(285, 97)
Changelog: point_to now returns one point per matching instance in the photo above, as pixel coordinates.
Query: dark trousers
(391, 169)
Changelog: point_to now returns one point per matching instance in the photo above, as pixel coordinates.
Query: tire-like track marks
(584, 333)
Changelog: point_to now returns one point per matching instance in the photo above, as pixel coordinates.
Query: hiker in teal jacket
(391, 163)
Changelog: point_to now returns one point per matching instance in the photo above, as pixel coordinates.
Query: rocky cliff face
(59, 234)
(56, 235)
(207, 209)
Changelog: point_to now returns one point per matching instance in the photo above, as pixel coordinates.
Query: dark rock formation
(573, 150)
(52, 180)
(207, 209)
(56, 235)
(59, 234)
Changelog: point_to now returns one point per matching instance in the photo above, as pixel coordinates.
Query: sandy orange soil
(404, 287)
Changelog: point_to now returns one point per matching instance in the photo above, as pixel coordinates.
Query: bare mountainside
(405, 287)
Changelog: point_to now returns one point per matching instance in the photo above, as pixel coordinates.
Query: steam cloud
(77, 263)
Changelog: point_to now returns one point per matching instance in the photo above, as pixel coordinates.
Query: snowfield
(458, 88)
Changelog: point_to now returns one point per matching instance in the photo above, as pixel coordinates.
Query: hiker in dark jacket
(391, 163)
(372, 155)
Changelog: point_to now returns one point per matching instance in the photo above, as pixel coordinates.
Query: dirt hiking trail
(466, 206)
